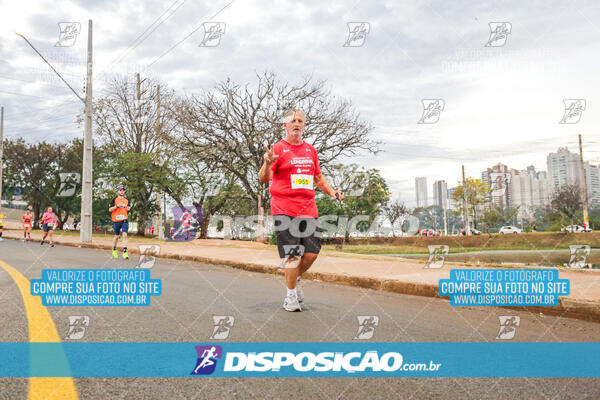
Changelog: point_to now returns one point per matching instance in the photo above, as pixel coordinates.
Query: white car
(509, 229)
(575, 228)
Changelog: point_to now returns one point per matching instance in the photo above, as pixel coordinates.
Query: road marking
(41, 330)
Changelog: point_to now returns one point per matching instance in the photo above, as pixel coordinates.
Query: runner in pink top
(49, 221)
(293, 167)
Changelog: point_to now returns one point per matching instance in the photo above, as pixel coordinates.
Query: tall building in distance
(529, 190)
(440, 194)
(592, 179)
(564, 169)
(525, 189)
(498, 179)
(454, 205)
(421, 190)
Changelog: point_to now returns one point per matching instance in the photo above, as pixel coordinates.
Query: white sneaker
(299, 292)
(291, 304)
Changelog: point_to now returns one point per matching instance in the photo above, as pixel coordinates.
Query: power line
(26, 95)
(185, 38)
(126, 52)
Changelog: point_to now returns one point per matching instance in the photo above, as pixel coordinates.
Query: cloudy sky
(502, 103)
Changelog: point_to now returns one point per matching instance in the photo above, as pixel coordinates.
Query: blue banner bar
(298, 359)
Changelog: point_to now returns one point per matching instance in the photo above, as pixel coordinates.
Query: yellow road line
(41, 330)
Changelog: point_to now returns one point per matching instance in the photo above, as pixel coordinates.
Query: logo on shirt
(286, 150)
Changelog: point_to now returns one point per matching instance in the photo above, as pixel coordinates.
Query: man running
(27, 225)
(2, 217)
(49, 220)
(293, 166)
(119, 208)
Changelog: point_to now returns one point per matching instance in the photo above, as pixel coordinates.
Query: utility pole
(1, 150)
(85, 234)
(159, 222)
(584, 194)
(465, 208)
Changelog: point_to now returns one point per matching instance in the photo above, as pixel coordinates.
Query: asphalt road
(194, 292)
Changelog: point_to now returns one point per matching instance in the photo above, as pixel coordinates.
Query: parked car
(475, 232)
(575, 228)
(509, 229)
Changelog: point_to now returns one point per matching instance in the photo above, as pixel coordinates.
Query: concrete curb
(572, 308)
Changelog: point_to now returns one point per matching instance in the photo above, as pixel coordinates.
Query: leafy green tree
(365, 193)
(475, 191)
(36, 169)
(496, 216)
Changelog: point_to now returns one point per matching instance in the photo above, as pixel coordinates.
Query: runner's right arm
(266, 173)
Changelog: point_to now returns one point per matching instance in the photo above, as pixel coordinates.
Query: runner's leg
(306, 262)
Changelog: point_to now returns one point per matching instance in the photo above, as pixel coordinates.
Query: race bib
(301, 181)
(50, 225)
(120, 217)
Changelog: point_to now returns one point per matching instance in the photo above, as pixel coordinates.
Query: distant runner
(2, 217)
(293, 166)
(49, 221)
(27, 225)
(119, 208)
(186, 225)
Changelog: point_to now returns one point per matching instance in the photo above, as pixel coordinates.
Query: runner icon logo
(68, 33)
(579, 253)
(68, 183)
(148, 254)
(358, 181)
(508, 326)
(212, 34)
(223, 325)
(437, 255)
(499, 32)
(357, 34)
(573, 110)
(432, 109)
(366, 326)
(207, 359)
(290, 251)
(77, 326)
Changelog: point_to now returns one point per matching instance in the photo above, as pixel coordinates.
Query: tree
(475, 191)
(131, 135)
(431, 217)
(494, 216)
(227, 127)
(365, 193)
(566, 201)
(36, 169)
(393, 211)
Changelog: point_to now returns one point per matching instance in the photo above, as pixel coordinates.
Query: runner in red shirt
(293, 166)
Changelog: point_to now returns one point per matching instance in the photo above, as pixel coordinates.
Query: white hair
(288, 116)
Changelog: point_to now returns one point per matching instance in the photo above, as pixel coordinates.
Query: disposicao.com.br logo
(325, 363)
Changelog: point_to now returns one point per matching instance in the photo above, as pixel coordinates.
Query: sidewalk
(373, 272)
